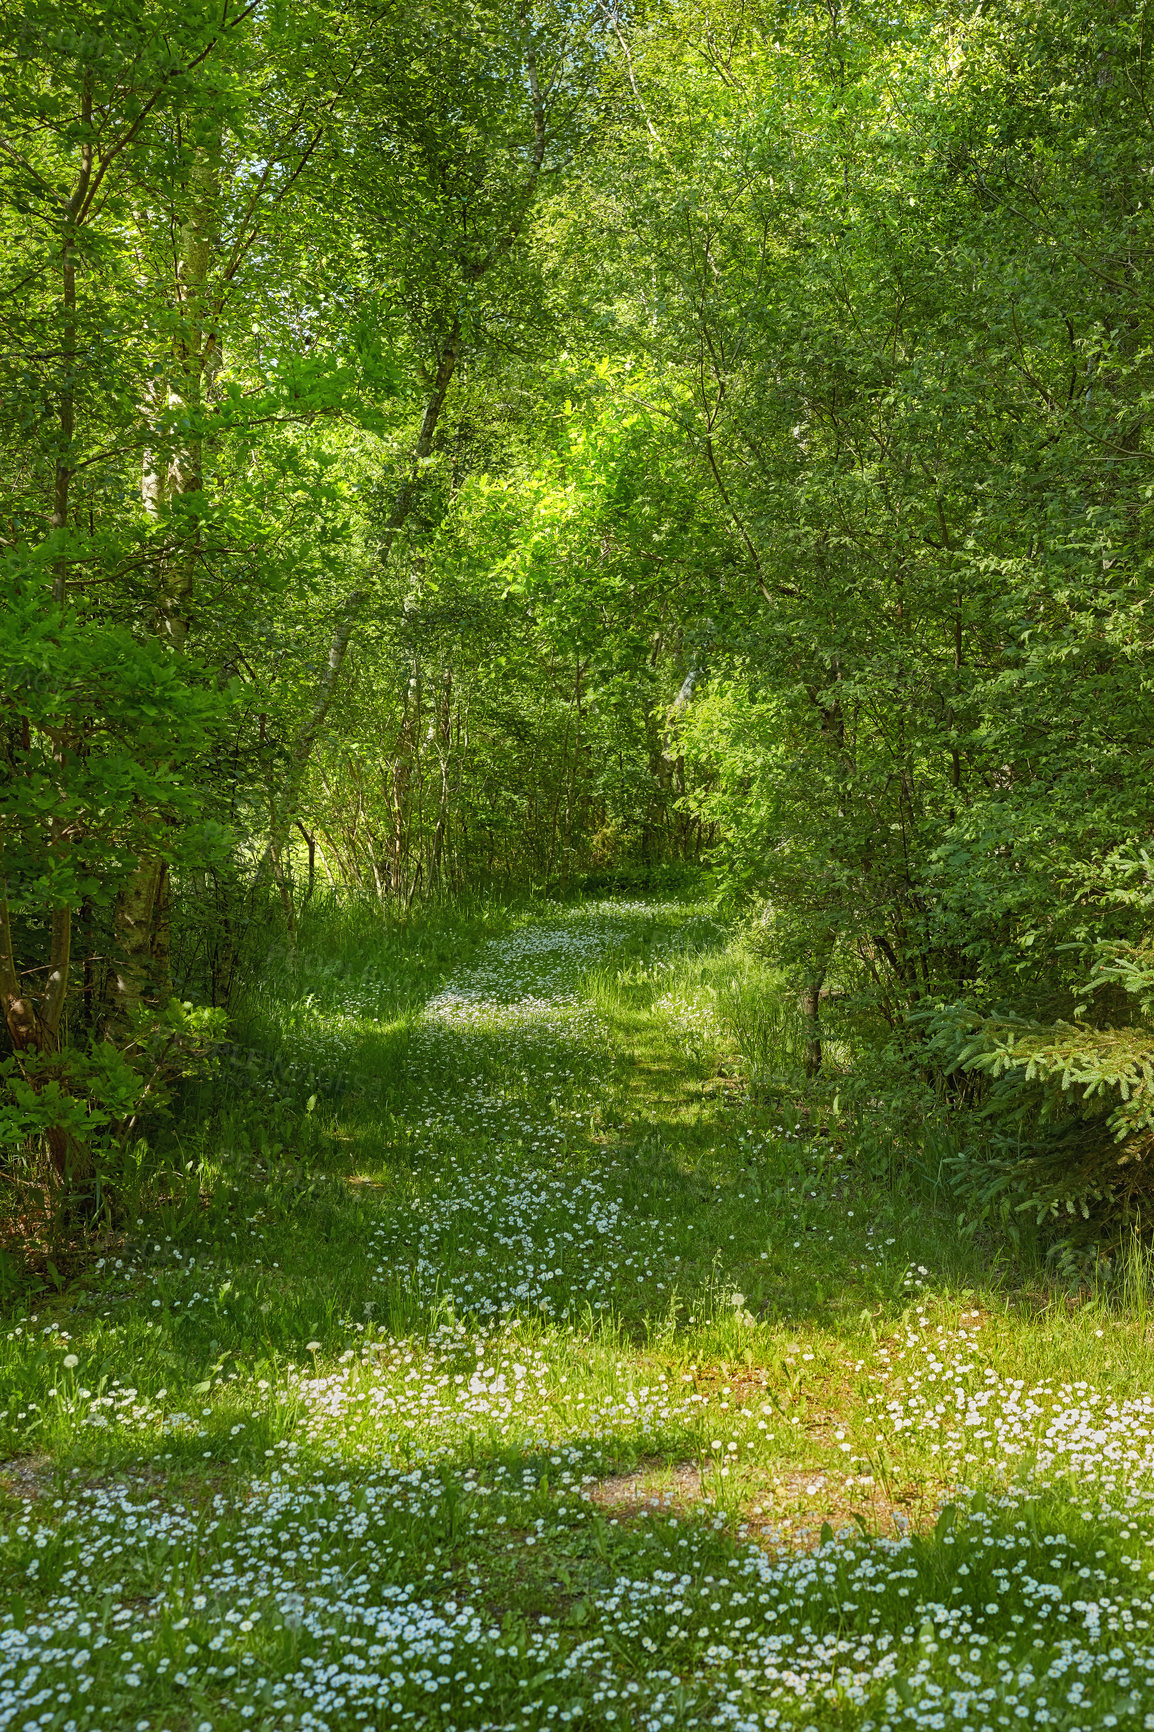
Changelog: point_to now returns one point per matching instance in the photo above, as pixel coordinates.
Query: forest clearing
(576, 865)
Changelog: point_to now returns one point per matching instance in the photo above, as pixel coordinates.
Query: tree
(461, 116)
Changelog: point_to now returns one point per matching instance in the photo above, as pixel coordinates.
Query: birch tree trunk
(196, 358)
(139, 974)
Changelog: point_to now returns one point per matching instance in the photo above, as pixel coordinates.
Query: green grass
(547, 1373)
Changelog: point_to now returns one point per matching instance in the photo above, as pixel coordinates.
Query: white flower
(70, 1362)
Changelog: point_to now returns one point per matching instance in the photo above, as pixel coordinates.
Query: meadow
(502, 1346)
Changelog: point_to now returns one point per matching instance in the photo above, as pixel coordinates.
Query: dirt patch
(28, 1477)
(654, 1485)
(787, 1511)
(794, 1509)
(973, 1320)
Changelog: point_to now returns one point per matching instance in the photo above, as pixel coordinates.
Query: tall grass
(714, 982)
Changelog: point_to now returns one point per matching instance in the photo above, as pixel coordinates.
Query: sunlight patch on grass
(528, 1382)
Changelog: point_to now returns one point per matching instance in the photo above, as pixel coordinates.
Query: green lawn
(538, 1376)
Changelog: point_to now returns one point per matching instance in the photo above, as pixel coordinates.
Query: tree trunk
(132, 976)
(35, 1027)
(809, 1002)
(811, 1012)
(196, 356)
(444, 740)
(311, 844)
(141, 941)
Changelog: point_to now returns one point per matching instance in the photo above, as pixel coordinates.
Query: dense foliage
(447, 444)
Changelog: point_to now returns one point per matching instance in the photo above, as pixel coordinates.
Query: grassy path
(553, 1383)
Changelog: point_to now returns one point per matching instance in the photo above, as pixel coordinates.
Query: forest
(576, 865)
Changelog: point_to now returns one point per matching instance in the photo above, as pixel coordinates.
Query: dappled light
(576, 866)
(553, 1427)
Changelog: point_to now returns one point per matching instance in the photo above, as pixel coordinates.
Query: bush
(1069, 1105)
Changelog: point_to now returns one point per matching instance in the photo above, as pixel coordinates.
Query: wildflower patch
(566, 1416)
